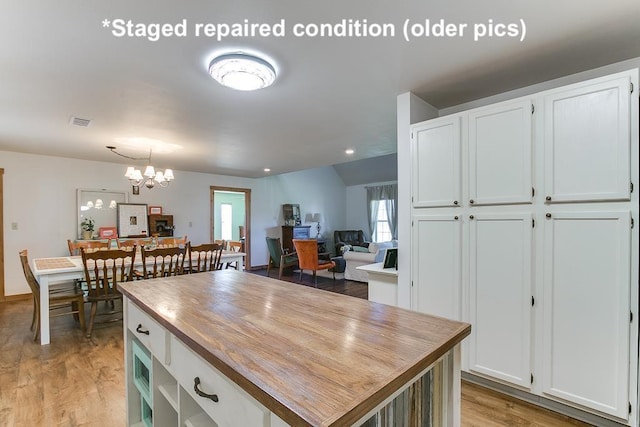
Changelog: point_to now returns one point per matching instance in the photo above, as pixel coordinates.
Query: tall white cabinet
(523, 225)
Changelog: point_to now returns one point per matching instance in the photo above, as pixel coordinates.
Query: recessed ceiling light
(242, 71)
(267, 170)
(349, 151)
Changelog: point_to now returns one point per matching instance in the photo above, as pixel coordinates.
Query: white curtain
(389, 194)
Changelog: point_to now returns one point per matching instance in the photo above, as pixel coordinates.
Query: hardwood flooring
(77, 381)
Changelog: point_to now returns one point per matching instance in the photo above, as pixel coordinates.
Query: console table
(234, 348)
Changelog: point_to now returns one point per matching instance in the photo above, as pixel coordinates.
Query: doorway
(231, 217)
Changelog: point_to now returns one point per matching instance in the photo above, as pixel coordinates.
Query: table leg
(44, 310)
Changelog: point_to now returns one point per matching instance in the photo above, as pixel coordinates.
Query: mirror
(101, 206)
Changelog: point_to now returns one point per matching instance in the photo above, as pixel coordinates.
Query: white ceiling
(57, 61)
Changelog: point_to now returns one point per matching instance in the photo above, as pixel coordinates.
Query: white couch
(355, 259)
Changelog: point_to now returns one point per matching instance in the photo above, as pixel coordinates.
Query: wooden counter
(311, 357)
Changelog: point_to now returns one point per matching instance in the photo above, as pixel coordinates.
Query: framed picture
(132, 220)
(107, 232)
(155, 210)
(135, 190)
(391, 258)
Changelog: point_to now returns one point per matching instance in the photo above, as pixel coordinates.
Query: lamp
(314, 218)
(151, 176)
(241, 71)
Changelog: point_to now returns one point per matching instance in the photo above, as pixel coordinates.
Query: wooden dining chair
(69, 297)
(221, 242)
(103, 270)
(173, 241)
(307, 251)
(90, 245)
(163, 262)
(205, 257)
(233, 246)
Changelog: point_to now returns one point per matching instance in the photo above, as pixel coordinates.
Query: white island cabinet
(227, 348)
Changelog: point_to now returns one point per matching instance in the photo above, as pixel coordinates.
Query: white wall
(357, 207)
(318, 190)
(44, 205)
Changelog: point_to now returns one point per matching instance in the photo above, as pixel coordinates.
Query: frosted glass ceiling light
(242, 72)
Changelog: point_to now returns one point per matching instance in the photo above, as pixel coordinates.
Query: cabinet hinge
(631, 187)
(533, 192)
(533, 108)
(629, 408)
(531, 378)
(632, 223)
(411, 135)
(631, 317)
(631, 88)
(412, 283)
(533, 223)
(533, 301)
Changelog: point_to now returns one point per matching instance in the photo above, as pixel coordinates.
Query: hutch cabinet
(161, 225)
(290, 232)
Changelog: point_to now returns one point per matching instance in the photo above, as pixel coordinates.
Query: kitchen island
(234, 348)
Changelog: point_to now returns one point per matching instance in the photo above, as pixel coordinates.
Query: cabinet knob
(548, 215)
(455, 202)
(548, 198)
(455, 217)
(196, 388)
(471, 202)
(471, 217)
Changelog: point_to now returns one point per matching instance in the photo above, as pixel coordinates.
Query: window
(226, 221)
(382, 229)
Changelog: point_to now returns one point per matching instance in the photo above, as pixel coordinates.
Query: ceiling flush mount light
(241, 71)
(151, 177)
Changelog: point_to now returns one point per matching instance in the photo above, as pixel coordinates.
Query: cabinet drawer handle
(196, 383)
(141, 331)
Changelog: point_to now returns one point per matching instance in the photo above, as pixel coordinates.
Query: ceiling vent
(77, 121)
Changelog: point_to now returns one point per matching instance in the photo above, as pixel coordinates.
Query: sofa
(374, 252)
(349, 238)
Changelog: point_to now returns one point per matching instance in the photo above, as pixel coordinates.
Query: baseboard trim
(18, 297)
(543, 402)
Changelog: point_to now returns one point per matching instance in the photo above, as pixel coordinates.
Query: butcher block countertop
(312, 357)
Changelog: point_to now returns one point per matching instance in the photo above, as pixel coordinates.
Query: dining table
(52, 270)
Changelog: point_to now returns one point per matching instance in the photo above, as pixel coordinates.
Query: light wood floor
(80, 382)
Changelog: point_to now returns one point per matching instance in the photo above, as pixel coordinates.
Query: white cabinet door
(436, 260)
(500, 258)
(500, 157)
(435, 151)
(587, 141)
(587, 308)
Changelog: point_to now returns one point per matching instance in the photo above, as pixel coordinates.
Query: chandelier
(150, 178)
